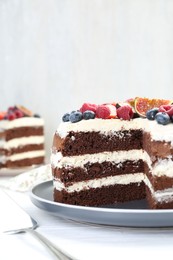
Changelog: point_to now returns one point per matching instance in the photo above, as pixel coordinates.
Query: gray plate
(131, 214)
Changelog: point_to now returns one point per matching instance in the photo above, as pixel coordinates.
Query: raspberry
(11, 116)
(106, 112)
(167, 109)
(125, 112)
(11, 109)
(19, 114)
(88, 106)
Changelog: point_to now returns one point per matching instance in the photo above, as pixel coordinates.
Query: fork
(22, 222)
(54, 249)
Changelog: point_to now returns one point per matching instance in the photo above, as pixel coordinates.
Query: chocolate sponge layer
(97, 170)
(25, 162)
(92, 142)
(23, 132)
(102, 196)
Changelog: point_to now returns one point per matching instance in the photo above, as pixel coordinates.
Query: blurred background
(57, 54)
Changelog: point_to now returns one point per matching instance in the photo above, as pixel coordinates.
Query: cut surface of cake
(21, 138)
(113, 153)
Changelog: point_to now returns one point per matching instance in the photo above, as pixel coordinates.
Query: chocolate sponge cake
(106, 154)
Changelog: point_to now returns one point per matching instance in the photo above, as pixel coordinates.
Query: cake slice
(21, 138)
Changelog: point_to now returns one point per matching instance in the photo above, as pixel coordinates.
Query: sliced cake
(113, 153)
(21, 138)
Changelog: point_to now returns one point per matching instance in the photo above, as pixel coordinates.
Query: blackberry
(37, 115)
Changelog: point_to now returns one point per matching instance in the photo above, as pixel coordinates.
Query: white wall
(57, 54)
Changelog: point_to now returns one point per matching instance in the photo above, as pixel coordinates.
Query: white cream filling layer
(31, 154)
(165, 195)
(57, 160)
(2, 142)
(2, 159)
(98, 183)
(22, 122)
(107, 127)
(22, 141)
(163, 167)
(157, 131)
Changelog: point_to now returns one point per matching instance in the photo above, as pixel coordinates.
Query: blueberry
(66, 117)
(75, 117)
(162, 118)
(88, 114)
(151, 114)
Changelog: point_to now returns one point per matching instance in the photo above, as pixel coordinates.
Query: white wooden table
(83, 241)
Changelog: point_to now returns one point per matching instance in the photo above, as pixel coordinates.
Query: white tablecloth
(83, 241)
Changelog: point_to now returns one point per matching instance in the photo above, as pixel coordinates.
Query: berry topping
(125, 112)
(11, 109)
(152, 113)
(106, 111)
(66, 117)
(88, 106)
(15, 112)
(88, 114)
(36, 115)
(162, 118)
(24, 110)
(11, 116)
(167, 109)
(160, 110)
(19, 113)
(75, 117)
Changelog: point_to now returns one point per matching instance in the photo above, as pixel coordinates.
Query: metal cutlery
(19, 222)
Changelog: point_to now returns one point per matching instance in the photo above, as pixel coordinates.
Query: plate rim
(98, 209)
